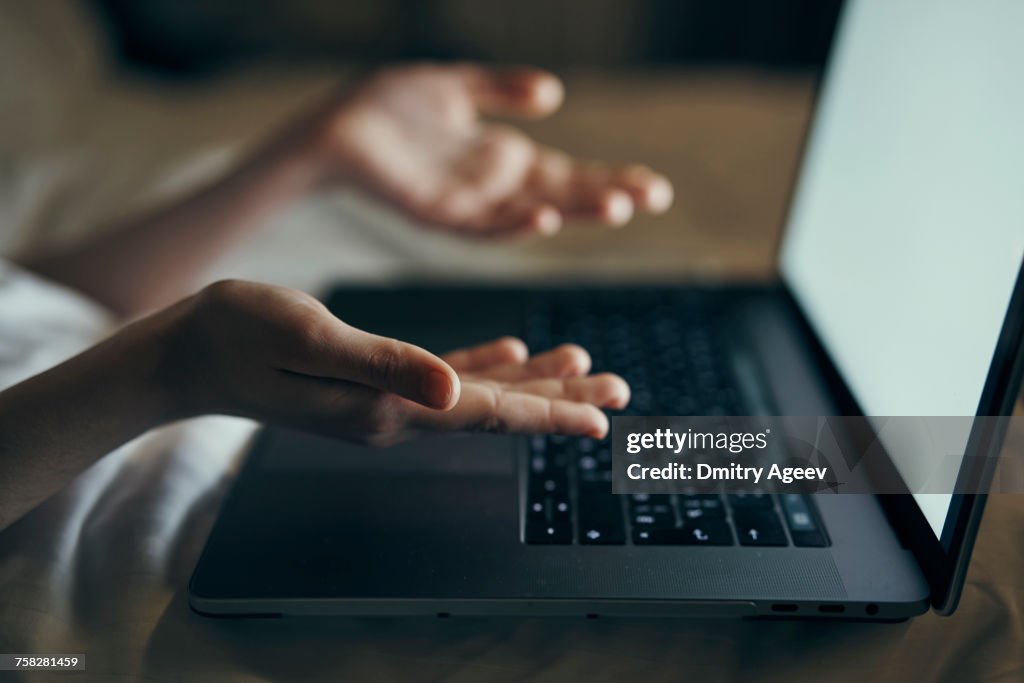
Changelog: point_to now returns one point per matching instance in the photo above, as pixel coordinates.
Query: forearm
(150, 260)
(56, 424)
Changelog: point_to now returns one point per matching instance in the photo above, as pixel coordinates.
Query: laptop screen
(906, 233)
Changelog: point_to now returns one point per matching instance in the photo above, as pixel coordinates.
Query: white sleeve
(42, 324)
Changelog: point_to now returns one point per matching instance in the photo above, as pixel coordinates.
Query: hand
(280, 356)
(414, 136)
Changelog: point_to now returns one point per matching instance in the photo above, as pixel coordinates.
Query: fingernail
(548, 94)
(618, 209)
(549, 222)
(659, 196)
(626, 395)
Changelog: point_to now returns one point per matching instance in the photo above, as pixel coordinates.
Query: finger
(521, 216)
(579, 191)
(604, 390)
(486, 407)
(543, 219)
(567, 360)
(304, 401)
(330, 348)
(647, 190)
(613, 207)
(524, 217)
(338, 409)
(519, 91)
(650, 191)
(498, 352)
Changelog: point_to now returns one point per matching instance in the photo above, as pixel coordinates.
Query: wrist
(168, 362)
(310, 150)
(142, 365)
(108, 392)
(100, 399)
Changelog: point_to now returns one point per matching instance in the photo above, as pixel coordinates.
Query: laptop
(900, 292)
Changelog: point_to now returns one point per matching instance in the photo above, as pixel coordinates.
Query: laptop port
(784, 607)
(832, 609)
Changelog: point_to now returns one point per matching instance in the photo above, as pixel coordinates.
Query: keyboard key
(809, 539)
(710, 504)
(802, 521)
(607, 530)
(750, 500)
(644, 536)
(536, 512)
(598, 494)
(598, 499)
(707, 532)
(798, 514)
(759, 529)
(713, 506)
(714, 532)
(602, 477)
(651, 521)
(548, 519)
(600, 516)
(553, 481)
(650, 499)
(692, 514)
(602, 536)
(541, 533)
(663, 509)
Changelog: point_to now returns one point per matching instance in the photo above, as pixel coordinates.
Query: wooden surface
(729, 143)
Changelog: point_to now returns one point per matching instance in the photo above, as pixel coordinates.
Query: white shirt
(92, 570)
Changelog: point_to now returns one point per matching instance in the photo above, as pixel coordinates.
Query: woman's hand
(279, 356)
(415, 136)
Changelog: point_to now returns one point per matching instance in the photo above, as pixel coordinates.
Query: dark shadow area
(192, 37)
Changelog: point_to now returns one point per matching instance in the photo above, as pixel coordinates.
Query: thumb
(514, 91)
(346, 353)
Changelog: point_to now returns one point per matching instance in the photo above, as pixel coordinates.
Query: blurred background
(109, 105)
(190, 37)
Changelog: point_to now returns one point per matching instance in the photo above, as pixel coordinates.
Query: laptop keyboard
(664, 345)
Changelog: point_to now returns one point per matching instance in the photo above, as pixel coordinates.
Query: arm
(412, 136)
(150, 260)
(56, 424)
(279, 356)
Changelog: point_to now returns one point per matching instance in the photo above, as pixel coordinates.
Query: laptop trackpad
(292, 452)
(314, 517)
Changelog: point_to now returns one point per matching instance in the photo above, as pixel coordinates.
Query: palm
(504, 389)
(415, 137)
